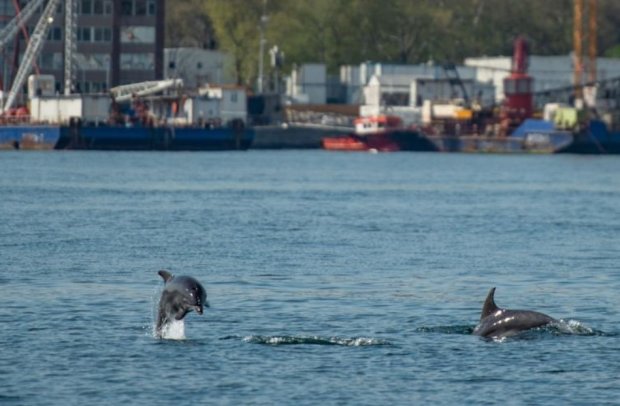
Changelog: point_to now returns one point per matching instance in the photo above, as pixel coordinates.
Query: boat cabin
(376, 124)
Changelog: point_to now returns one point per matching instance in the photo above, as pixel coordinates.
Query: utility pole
(277, 59)
(263, 22)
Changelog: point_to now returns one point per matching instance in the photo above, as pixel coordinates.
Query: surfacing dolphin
(498, 323)
(181, 295)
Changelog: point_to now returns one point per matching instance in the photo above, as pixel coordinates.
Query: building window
(137, 35)
(107, 7)
(98, 7)
(51, 61)
(138, 61)
(87, 7)
(94, 34)
(127, 7)
(83, 34)
(151, 7)
(54, 34)
(140, 7)
(93, 62)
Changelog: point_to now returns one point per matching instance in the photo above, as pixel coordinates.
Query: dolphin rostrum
(497, 323)
(181, 295)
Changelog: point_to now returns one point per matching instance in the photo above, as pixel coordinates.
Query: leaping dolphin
(181, 295)
(497, 323)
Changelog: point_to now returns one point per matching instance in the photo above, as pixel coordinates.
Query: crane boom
(8, 32)
(126, 92)
(32, 51)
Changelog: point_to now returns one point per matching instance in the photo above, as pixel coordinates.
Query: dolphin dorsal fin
(165, 275)
(489, 306)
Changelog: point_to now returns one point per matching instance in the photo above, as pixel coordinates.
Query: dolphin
(498, 323)
(181, 295)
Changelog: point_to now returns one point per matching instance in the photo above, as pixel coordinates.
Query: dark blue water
(333, 278)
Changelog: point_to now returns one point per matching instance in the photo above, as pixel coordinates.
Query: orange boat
(382, 133)
(347, 143)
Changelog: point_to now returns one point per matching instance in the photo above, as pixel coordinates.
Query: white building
(215, 105)
(227, 102)
(404, 95)
(394, 78)
(307, 84)
(549, 72)
(356, 77)
(197, 66)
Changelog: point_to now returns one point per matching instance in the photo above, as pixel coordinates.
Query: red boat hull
(390, 141)
(343, 144)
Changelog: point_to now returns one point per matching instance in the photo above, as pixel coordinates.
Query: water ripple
(312, 340)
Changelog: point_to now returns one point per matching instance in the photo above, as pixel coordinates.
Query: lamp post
(263, 21)
(277, 59)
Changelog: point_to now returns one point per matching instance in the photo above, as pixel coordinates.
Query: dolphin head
(189, 293)
(180, 295)
(197, 297)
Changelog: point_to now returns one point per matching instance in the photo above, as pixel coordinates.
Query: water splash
(175, 330)
(573, 327)
(560, 328)
(314, 340)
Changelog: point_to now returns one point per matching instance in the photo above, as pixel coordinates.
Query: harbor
(503, 105)
(309, 202)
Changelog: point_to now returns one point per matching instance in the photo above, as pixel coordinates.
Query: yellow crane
(579, 12)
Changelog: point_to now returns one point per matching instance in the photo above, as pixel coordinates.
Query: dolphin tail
(489, 306)
(165, 275)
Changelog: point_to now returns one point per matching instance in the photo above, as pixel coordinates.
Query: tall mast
(70, 44)
(578, 47)
(592, 45)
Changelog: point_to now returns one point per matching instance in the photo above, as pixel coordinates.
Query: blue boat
(595, 138)
(105, 137)
(27, 136)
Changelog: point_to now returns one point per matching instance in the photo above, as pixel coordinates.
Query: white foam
(174, 330)
(314, 340)
(574, 327)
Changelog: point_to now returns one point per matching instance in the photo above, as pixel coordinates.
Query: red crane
(518, 89)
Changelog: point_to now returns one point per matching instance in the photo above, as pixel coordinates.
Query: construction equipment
(32, 51)
(452, 74)
(579, 12)
(127, 92)
(8, 32)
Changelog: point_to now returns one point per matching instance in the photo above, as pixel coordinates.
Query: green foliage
(338, 32)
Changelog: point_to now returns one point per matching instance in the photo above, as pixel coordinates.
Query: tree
(339, 32)
(238, 25)
(188, 24)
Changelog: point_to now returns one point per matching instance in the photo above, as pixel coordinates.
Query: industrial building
(116, 42)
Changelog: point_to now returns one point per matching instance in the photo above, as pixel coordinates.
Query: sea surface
(333, 278)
